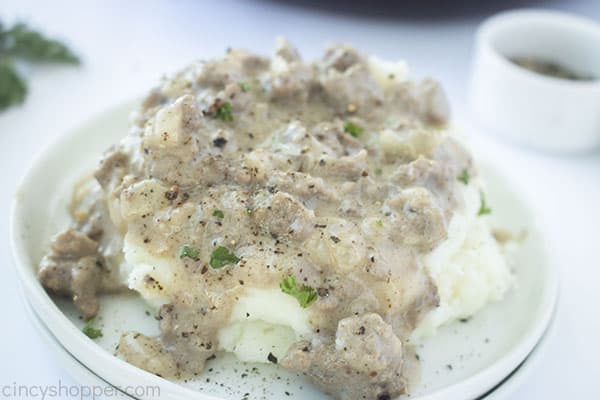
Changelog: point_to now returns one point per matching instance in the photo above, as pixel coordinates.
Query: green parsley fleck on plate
(90, 331)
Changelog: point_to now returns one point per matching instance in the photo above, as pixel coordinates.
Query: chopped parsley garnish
(483, 208)
(245, 86)
(378, 171)
(464, 176)
(90, 331)
(189, 252)
(224, 112)
(352, 129)
(379, 223)
(221, 256)
(305, 295)
(219, 214)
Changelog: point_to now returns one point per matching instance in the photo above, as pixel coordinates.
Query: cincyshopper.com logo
(79, 392)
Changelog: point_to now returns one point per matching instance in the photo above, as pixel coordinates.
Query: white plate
(509, 386)
(464, 361)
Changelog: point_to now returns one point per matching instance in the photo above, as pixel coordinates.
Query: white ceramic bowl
(547, 113)
(483, 351)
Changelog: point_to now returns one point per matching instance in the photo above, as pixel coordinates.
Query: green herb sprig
(244, 86)
(90, 331)
(483, 208)
(189, 252)
(13, 88)
(222, 256)
(219, 214)
(464, 176)
(225, 112)
(22, 43)
(305, 295)
(352, 129)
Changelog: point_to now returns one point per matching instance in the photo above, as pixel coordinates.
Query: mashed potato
(469, 269)
(264, 321)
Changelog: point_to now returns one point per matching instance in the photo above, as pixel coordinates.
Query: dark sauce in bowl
(549, 68)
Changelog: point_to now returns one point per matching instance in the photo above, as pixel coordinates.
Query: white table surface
(127, 45)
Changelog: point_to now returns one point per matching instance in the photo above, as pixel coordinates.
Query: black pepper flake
(220, 142)
(449, 366)
(323, 292)
(334, 239)
(320, 226)
(384, 396)
(172, 193)
(361, 330)
(272, 358)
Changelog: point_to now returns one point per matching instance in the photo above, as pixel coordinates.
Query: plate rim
(512, 382)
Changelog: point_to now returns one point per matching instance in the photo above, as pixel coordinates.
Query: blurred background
(126, 46)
